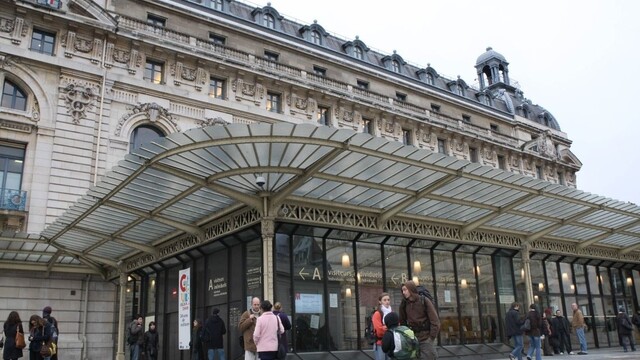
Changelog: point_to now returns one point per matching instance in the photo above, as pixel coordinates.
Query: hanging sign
(184, 309)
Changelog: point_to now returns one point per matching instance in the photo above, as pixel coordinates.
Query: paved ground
(596, 354)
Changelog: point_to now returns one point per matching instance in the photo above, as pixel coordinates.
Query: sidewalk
(595, 354)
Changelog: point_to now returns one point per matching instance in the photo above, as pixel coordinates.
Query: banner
(184, 309)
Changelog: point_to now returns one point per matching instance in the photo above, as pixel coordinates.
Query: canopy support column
(526, 266)
(121, 318)
(268, 230)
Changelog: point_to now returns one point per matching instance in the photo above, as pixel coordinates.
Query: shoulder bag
(20, 344)
(282, 348)
(526, 326)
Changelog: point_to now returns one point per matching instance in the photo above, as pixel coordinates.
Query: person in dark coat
(212, 334)
(150, 347)
(625, 330)
(11, 327)
(197, 350)
(46, 314)
(284, 319)
(391, 320)
(547, 332)
(513, 324)
(136, 332)
(40, 332)
(561, 331)
(534, 332)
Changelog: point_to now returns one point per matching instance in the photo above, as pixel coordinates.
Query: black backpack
(369, 329)
(422, 291)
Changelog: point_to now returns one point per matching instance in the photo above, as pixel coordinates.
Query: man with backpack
(420, 315)
(46, 314)
(399, 342)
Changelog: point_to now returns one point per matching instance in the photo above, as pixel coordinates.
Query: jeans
(379, 354)
(581, 339)
(518, 344)
(427, 351)
(211, 354)
(534, 345)
(135, 352)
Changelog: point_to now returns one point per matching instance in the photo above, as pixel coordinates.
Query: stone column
(268, 226)
(121, 318)
(526, 266)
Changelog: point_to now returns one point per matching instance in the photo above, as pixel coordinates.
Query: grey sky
(579, 59)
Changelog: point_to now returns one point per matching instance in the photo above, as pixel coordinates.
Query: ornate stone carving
(15, 27)
(152, 111)
(300, 105)
(135, 60)
(121, 56)
(7, 61)
(211, 121)
(546, 146)
(79, 97)
(7, 25)
(83, 45)
(247, 91)
(35, 112)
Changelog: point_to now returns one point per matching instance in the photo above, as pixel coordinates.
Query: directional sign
(301, 273)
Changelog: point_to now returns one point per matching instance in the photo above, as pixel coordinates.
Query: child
(388, 342)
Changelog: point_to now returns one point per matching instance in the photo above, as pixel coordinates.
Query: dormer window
(460, 90)
(216, 4)
(358, 53)
(315, 38)
(269, 21)
(395, 66)
(457, 87)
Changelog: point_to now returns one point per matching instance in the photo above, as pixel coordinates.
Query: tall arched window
(143, 134)
(359, 54)
(315, 38)
(269, 21)
(13, 97)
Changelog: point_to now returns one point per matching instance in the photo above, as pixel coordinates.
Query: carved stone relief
(514, 163)
(459, 148)
(300, 105)
(78, 97)
(425, 138)
(489, 156)
(7, 61)
(182, 74)
(15, 27)
(248, 91)
(211, 121)
(152, 111)
(346, 118)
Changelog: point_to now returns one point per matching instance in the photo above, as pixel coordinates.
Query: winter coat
(267, 331)
(560, 325)
(137, 331)
(212, 332)
(421, 317)
(625, 328)
(196, 344)
(39, 335)
(151, 344)
(246, 327)
(378, 326)
(535, 320)
(10, 351)
(513, 322)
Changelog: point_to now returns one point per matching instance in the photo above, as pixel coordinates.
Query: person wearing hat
(46, 314)
(625, 330)
(212, 335)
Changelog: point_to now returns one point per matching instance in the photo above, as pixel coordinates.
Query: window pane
(593, 280)
(567, 279)
(447, 299)
(144, 134)
(553, 283)
(581, 281)
(486, 286)
(604, 280)
(469, 311)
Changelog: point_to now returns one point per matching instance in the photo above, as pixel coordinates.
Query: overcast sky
(579, 59)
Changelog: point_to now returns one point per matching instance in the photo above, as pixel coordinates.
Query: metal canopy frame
(174, 186)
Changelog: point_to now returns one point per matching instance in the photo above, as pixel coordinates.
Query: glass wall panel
(487, 290)
(581, 279)
(370, 282)
(617, 281)
(553, 283)
(309, 315)
(283, 277)
(538, 283)
(567, 279)
(636, 283)
(341, 281)
(627, 278)
(604, 280)
(469, 311)
(421, 271)
(447, 299)
(506, 291)
(592, 277)
(584, 303)
(518, 276)
(395, 263)
(599, 322)
(254, 271)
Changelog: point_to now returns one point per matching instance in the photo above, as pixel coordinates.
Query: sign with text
(184, 309)
(308, 303)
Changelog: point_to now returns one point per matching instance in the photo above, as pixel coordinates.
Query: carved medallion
(79, 98)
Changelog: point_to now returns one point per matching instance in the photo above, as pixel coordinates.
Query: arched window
(315, 38)
(396, 66)
(143, 134)
(269, 21)
(359, 54)
(13, 97)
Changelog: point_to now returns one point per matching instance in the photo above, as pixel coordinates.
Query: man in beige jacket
(578, 324)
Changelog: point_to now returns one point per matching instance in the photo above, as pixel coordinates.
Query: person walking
(384, 308)
(286, 323)
(246, 326)
(40, 332)
(150, 345)
(547, 332)
(212, 334)
(562, 332)
(577, 323)
(513, 325)
(264, 337)
(136, 337)
(535, 331)
(46, 314)
(420, 315)
(625, 330)
(12, 326)
(197, 350)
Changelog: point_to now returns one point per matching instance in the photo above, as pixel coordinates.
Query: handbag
(282, 348)
(526, 326)
(20, 344)
(45, 351)
(2, 342)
